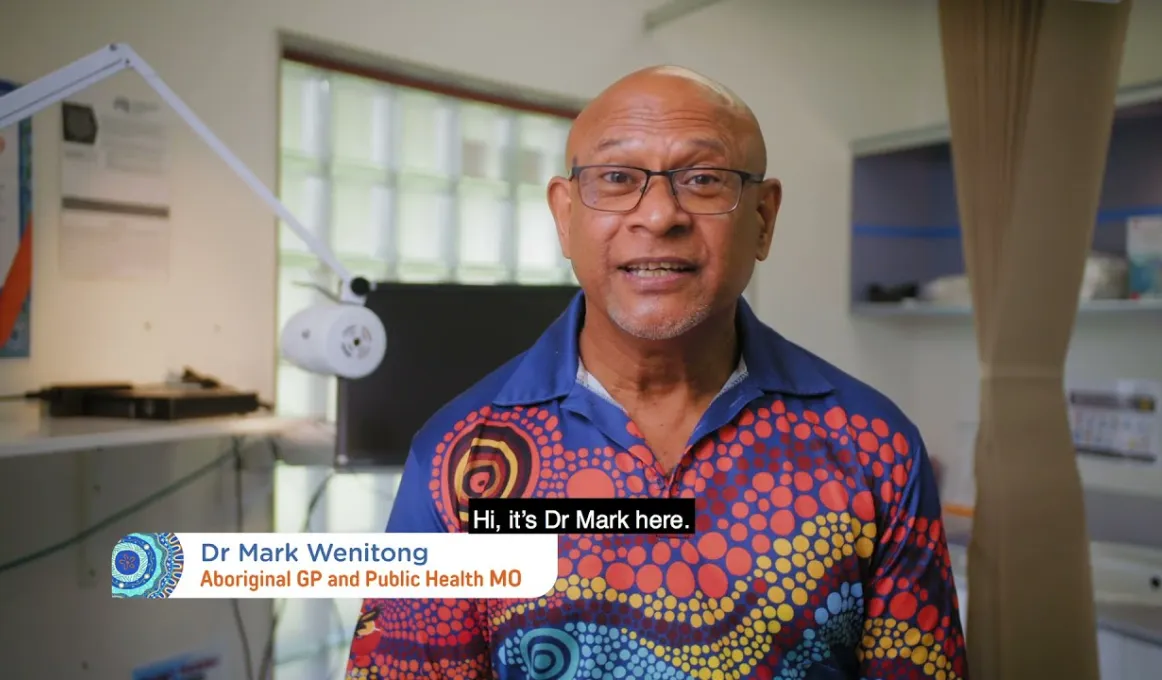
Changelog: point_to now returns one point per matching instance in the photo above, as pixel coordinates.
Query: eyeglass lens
(698, 190)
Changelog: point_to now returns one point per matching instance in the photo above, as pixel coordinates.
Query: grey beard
(646, 330)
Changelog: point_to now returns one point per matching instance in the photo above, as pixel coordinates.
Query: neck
(698, 363)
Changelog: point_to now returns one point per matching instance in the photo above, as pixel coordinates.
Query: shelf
(1105, 219)
(905, 222)
(929, 309)
(23, 432)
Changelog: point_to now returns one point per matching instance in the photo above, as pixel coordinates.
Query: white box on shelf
(1144, 252)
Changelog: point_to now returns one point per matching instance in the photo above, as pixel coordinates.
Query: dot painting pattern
(814, 550)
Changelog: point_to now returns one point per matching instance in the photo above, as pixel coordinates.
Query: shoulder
(863, 402)
(852, 404)
(882, 447)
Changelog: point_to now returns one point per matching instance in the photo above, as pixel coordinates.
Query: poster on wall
(15, 236)
(200, 665)
(115, 188)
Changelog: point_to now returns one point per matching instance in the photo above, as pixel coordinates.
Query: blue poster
(15, 236)
(204, 666)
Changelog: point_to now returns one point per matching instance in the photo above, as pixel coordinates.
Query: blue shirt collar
(548, 370)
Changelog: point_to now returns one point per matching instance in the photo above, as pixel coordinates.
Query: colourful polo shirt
(819, 554)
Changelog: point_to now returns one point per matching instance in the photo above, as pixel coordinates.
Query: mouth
(658, 268)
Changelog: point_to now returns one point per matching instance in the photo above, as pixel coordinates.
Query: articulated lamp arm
(345, 340)
(87, 71)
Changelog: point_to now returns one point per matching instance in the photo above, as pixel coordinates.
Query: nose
(659, 211)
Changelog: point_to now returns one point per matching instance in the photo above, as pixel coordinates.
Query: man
(819, 550)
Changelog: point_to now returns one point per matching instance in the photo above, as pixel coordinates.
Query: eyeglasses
(699, 191)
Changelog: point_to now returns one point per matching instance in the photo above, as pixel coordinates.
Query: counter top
(1111, 516)
(24, 432)
(1140, 622)
(957, 529)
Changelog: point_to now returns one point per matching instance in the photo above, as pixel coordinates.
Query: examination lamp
(341, 338)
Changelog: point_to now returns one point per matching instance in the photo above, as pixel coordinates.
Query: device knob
(360, 286)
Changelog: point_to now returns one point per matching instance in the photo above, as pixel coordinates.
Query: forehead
(690, 126)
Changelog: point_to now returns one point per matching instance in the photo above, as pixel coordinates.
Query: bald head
(712, 88)
(680, 92)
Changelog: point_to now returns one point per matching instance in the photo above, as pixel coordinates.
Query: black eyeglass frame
(747, 178)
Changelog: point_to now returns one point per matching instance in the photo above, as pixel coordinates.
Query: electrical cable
(266, 666)
(342, 629)
(31, 395)
(119, 515)
(191, 377)
(240, 527)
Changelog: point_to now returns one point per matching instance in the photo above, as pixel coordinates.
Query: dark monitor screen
(441, 340)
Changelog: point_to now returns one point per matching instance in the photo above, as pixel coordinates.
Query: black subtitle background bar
(666, 516)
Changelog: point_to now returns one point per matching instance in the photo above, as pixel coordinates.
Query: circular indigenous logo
(147, 566)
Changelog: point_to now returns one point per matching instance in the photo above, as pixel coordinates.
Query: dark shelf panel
(927, 309)
(1105, 219)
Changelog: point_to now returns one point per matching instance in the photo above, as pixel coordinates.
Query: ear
(561, 205)
(770, 199)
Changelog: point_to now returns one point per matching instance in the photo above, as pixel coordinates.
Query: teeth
(656, 266)
(647, 273)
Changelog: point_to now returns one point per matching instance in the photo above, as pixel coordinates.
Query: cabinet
(905, 232)
(1129, 644)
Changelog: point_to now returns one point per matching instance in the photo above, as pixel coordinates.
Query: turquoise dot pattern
(146, 566)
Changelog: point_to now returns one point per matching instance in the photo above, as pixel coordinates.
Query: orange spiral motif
(490, 460)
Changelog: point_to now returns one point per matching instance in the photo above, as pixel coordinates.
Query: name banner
(316, 565)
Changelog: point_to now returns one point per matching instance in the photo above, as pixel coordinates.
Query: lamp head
(344, 340)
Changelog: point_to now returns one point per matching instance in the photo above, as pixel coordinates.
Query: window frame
(435, 84)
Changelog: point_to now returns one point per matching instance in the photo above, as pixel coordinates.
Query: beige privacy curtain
(1031, 86)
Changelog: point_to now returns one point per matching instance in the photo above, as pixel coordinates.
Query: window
(405, 184)
(408, 184)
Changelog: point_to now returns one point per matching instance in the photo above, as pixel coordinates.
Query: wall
(818, 75)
